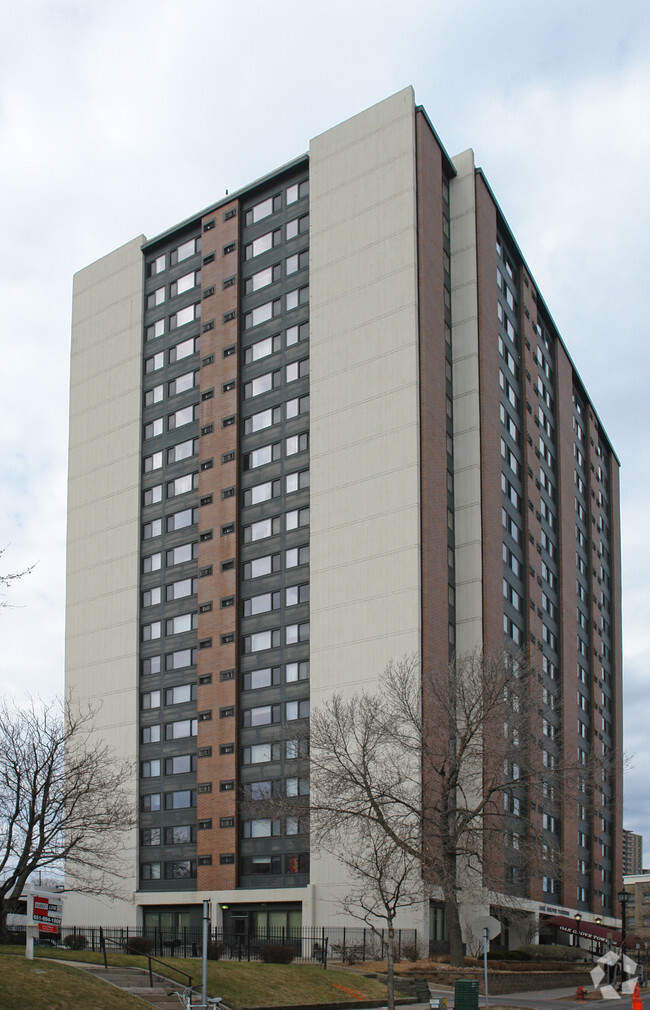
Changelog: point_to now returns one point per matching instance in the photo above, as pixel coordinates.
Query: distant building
(323, 423)
(632, 852)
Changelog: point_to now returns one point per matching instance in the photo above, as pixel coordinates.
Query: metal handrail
(104, 939)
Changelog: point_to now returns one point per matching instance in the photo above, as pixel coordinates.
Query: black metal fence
(318, 944)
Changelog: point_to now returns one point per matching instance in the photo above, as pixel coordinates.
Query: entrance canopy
(591, 930)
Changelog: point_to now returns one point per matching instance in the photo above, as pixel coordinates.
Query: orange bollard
(636, 998)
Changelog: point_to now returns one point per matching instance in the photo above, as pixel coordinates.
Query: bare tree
(61, 797)
(7, 580)
(426, 762)
(386, 878)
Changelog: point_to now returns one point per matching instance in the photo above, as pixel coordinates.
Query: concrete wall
(103, 522)
(364, 410)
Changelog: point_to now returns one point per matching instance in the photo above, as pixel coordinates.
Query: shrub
(76, 941)
(509, 955)
(216, 949)
(138, 945)
(276, 953)
(410, 951)
(553, 952)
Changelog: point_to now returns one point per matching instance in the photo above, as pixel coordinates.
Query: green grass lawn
(240, 984)
(28, 984)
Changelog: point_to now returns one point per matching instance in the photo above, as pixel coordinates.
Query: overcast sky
(119, 117)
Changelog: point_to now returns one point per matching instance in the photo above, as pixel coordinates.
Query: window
(262, 313)
(156, 297)
(180, 729)
(259, 457)
(261, 828)
(298, 226)
(152, 631)
(180, 869)
(296, 518)
(152, 495)
(150, 665)
(150, 734)
(188, 482)
(153, 395)
(297, 671)
(297, 333)
(296, 370)
(150, 700)
(262, 640)
(186, 315)
(156, 266)
(263, 209)
(261, 604)
(262, 529)
(296, 481)
(296, 594)
(180, 764)
(261, 566)
(296, 710)
(260, 753)
(183, 587)
(263, 715)
(185, 283)
(179, 834)
(149, 769)
(184, 349)
(262, 244)
(295, 556)
(262, 349)
(299, 296)
(155, 362)
(296, 633)
(297, 443)
(179, 694)
(185, 250)
(299, 261)
(181, 623)
(262, 384)
(183, 416)
(179, 520)
(263, 419)
(150, 802)
(265, 677)
(180, 658)
(151, 597)
(299, 405)
(150, 871)
(152, 563)
(262, 492)
(297, 191)
(184, 552)
(150, 836)
(182, 382)
(262, 278)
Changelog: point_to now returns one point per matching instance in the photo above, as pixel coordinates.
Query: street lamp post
(623, 898)
(577, 918)
(599, 922)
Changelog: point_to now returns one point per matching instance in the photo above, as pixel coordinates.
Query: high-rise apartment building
(632, 852)
(322, 424)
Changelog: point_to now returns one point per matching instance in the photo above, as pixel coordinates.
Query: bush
(410, 951)
(76, 941)
(276, 953)
(216, 950)
(509, 955)
(553, 952)
(138, 945)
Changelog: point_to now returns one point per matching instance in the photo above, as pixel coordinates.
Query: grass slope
(240, 984)
(27, 984)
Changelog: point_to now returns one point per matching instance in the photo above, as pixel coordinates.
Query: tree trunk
(390, 968)
(456, 954)
(4, 933)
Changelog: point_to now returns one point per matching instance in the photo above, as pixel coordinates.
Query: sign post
(491, 927)
(44, 915)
